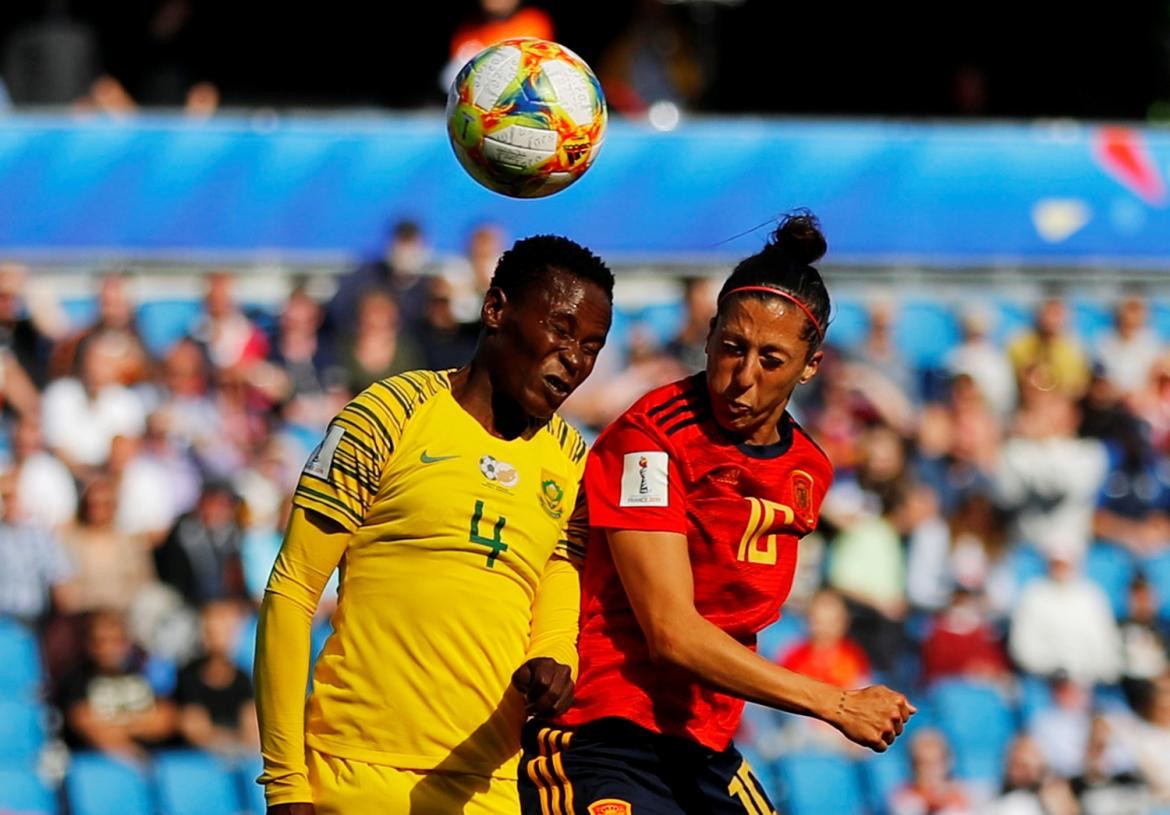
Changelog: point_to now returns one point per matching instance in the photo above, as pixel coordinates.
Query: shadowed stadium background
(188, 185)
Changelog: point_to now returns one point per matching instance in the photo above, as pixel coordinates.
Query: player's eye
(771, 363)
(732, 348)
(591, 348)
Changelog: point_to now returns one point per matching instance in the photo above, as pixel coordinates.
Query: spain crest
(802, 500)
(552, 495)
(610, 806)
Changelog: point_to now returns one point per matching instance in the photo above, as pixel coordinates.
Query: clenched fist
(872, 717)
(546, 685)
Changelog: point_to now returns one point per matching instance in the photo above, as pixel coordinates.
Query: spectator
(108, 702)
(1151, 404)
(235, 344)
(958, 443)
(34, 568)
(111, 567)
(45, 488)
(28, 341)
(1063, 622)
(471, 274)
(444, 341)
(1133, 505)
(188, 411)
(1109, 784)
(1048, 358)
(1061, 730)
(1048, 475)
(1028, 786)
(156, 482)
(495, 20)
(116, 322)
(379, 347)
(300, 368)
(867, 566)
(932, 787)
(827, 653)
(214, 697)
(979, 358)
(880, 352)
(961, 642)
(397, 273)
(1149, 738)
(83, 415)
(1129, 350)
(689, 346)
(1145, 638)
(200, 558)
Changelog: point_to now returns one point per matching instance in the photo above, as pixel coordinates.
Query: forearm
(555, 614)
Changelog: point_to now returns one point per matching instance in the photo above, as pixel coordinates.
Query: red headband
(787, 296)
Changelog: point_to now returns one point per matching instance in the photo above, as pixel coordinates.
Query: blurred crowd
(996, 542)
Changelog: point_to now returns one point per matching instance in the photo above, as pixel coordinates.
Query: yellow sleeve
(310, 552)
(343, 474)
(555, 613)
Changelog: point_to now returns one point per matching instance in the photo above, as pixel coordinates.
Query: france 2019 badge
(552, 495)
(802, 498)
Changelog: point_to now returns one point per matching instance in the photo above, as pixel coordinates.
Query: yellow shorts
(342, 786)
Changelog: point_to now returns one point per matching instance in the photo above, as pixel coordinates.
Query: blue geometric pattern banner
(237, 188)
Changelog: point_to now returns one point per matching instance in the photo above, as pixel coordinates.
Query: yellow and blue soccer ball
(526, 117)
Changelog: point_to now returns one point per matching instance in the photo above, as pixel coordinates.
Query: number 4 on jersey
(494, 542)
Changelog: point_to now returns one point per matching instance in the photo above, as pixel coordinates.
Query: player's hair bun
(800, 238)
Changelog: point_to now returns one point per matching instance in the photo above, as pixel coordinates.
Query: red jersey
(666, 466)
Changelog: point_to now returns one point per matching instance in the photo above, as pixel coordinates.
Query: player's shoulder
(568, 439)
(807, 446)
(390, 403)
(669, 408)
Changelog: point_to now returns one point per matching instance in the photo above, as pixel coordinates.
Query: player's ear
(492, 313)
(812, 366)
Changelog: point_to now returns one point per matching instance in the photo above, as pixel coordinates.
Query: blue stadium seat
(925, 330)
(246, 644)
(1012, 319)
(162, 322)
(191, 782)
(1111, 568)
(79, 311)
(99, 785)
(1035, 697)
(819, 784)
(1088, 319)
(20, 661)
(1027, 564)
(883, 775)
(848, 324)
(662, 321)
(1157, 570)
(977, 722)
(1160, 318)
(21, 791)
(781, 635)
(22, 731)
(247, 770)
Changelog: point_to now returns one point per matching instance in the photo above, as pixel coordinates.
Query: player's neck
(473, 390)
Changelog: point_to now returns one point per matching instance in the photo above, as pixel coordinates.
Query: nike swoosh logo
(425, 459)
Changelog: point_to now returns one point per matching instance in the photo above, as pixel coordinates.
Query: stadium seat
(22, 731)
(252, 794)
(162, 322)
(1013, 317)
(775, 640)
(925, 330)
(978, 723)
(246, 644)
(191, 782)
(1111, 568)
(848, 324)
(79, 311)
(662, 321)
(1160, 318)
(882, 775)
(99, 785)
(1027, 564)
(819, 784)
(1035, 696)
(1157, 570)
(21, 791)
(20, 662)
(1089, 319)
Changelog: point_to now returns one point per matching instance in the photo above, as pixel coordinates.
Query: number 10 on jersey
(755, 546)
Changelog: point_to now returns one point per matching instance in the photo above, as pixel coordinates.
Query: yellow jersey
(452, 529)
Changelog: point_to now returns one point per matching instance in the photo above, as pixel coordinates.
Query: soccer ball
(526, 117)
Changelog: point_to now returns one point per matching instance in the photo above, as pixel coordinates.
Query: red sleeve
(633, 482)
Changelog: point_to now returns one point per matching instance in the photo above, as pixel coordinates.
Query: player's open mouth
(736, 409)
(557, 385)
